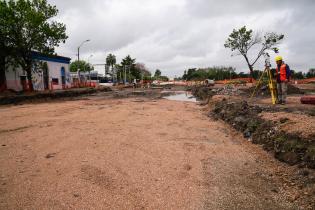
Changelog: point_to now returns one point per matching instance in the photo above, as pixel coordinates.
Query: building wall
(13, 77)
(55, 73)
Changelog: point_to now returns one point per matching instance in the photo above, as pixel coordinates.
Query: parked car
(209, 82)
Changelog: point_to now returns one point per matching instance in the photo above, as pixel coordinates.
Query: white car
(209, 82)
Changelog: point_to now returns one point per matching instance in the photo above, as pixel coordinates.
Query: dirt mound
(291, 148)
(294, 90)
(292, 122)
(202, 92)
(239, 115)
(36, 96)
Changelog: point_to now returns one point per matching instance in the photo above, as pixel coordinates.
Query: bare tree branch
(242, 40)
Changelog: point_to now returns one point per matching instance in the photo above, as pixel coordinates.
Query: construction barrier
(77, 84)
(226, 81)
(305, 81)
(308, 100)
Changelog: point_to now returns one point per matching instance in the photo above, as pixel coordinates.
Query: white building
(49, 73)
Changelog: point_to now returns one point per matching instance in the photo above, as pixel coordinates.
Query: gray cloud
(173, 35)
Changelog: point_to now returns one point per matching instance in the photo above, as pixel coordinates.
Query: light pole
(89, 58)
(80, 46)
(79, 57)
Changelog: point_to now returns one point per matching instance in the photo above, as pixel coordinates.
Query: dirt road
(130, 154)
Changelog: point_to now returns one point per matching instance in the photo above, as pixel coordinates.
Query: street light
(79, 57)
(80, 46)
(89, 58)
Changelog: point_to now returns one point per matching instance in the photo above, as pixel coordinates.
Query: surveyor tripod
(271, 83)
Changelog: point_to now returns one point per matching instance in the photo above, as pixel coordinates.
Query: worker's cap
(278, 58)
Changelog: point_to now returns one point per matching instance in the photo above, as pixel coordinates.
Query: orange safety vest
(283, 72)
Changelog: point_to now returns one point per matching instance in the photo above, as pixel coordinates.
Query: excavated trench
(292, 148)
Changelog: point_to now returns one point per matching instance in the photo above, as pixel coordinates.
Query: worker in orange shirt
(283, 75)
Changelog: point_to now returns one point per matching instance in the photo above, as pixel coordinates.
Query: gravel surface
(293, 122)
(131, 154)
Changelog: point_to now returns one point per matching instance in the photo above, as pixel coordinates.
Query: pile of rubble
(204, 92)
(229, 90)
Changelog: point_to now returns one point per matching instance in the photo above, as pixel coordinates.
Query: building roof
(51, 58)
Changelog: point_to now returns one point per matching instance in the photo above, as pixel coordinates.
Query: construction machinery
(271, 82)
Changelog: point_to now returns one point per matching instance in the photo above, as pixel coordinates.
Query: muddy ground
(111, 152)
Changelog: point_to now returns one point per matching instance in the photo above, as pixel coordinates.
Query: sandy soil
(296, 122)
(292, 101)
(131, 154)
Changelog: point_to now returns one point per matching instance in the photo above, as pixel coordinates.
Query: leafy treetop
(243, 40)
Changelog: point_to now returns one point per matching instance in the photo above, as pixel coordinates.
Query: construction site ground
(110, 151)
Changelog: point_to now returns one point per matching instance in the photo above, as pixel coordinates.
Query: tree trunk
(29, 76)
(251, 70)
(3, 84)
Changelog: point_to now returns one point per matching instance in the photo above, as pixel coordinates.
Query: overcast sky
(174, 35)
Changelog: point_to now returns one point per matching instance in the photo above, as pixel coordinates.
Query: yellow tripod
(271, 85)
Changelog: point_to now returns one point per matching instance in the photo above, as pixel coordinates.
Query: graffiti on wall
(37, 76)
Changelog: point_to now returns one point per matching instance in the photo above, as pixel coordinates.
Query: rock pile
(227, 90)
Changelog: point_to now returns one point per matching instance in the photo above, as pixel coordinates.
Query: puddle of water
(181, 96)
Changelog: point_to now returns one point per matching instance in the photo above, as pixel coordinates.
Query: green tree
(297, 75)
(157, 73)
(243, 40)
(190, 73)
(145, 73)
(257, 74)
(5, 43)
(184, 77)
(111, 61)
(164, 78)
(32, 28)
(310, 73)
(128, 61)
(215, 72)
(7, 48)
(81, 65)
(129, 65)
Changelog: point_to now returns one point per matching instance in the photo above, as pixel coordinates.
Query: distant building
(49, 72)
